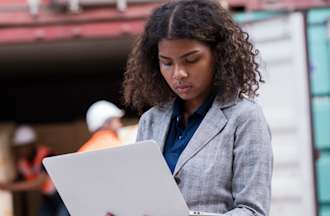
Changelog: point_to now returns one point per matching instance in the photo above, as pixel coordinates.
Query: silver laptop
(131, 180)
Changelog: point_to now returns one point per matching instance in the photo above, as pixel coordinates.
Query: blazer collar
(164, 123)
(213, 122)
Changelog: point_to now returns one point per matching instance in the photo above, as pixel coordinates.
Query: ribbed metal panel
(285, 100)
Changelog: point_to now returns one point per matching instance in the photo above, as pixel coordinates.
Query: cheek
(167, 76)
(204, 74)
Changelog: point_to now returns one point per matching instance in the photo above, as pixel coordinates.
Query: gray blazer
(227, 165)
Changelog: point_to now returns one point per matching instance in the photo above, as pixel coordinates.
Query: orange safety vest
(31, 171)
(100, 140)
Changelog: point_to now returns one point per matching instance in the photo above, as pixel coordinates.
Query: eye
(192, 59)
(165, 64)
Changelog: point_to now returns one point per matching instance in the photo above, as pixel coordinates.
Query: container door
(286, 103)
(319, 49)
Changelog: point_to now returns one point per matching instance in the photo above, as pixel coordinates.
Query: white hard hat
(100, 112)
(24, 135)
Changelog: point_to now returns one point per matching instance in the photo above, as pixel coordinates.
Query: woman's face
(187, 66)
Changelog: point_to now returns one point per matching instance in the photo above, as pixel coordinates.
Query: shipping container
(250, 5)
(252, 16)
(319, 50)
(287, 106)
(321, 113)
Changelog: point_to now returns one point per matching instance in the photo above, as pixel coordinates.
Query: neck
(190, 106)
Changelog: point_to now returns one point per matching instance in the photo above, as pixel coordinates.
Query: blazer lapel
(163, 125)
(213, 122)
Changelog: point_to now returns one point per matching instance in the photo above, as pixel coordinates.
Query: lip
(182, 88)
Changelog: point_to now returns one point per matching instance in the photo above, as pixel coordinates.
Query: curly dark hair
(236, 69)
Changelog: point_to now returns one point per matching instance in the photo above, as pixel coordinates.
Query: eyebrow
(182, 56)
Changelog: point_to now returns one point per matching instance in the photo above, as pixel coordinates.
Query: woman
(198, 71)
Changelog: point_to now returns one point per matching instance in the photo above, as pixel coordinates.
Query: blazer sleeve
(252, 165)
(140, 132)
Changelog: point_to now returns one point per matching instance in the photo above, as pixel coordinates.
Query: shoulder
(244, 109)
(247, 124)
(155, 113)
(248, 118)
(152, 120)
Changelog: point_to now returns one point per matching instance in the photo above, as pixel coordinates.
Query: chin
(186, 97)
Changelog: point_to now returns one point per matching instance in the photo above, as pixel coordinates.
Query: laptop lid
(131, 180)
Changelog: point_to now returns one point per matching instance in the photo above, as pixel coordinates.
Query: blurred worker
(103, 121)
(31, 175)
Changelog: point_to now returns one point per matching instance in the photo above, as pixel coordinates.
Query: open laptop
(131, 180)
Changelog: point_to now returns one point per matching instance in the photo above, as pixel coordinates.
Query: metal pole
(122, 5)
(74, 6)
(33, 7)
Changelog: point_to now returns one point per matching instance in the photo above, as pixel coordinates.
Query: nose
(179, 73)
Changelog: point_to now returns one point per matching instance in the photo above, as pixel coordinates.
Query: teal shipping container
(321, 122)
(319, 50)
(319, 56)
(318, 44)
(321, 117)
(255, 16)
(323, 173)
(318, 37)
(280, 38)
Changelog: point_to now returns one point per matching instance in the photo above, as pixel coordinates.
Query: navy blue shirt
(178, 136)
